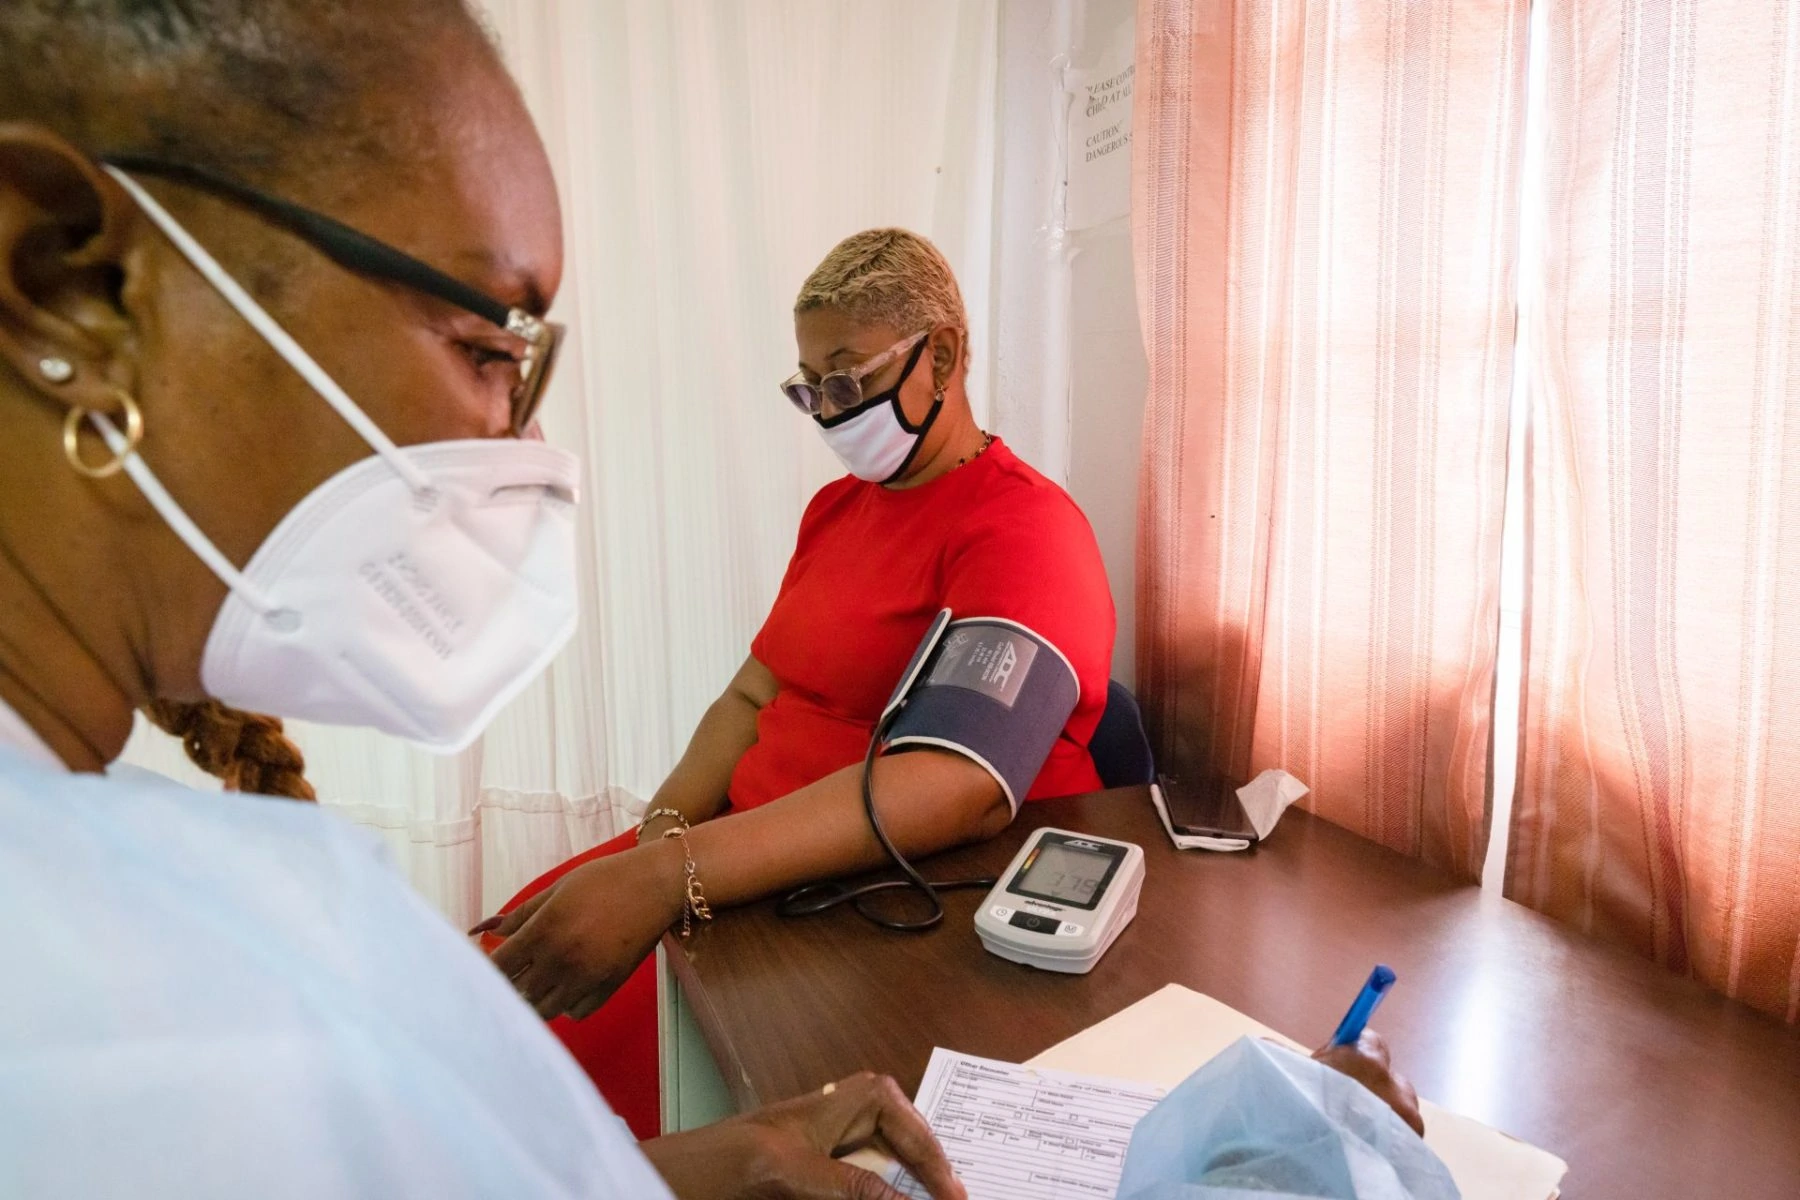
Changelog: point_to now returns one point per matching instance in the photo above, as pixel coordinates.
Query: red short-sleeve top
(872, 568)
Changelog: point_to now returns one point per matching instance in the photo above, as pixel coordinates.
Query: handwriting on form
(1019, 1133)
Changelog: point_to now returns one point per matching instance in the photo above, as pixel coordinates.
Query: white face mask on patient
(415, 591)
(874, 440)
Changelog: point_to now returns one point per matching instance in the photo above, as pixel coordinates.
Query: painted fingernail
(487, 926)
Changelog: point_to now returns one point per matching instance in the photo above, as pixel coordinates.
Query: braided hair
(248, 751)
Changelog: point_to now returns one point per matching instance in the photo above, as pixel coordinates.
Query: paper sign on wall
(1099, 146)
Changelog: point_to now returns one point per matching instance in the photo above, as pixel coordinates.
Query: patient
(934, 514)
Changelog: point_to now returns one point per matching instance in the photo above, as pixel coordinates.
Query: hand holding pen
(1360, 1052)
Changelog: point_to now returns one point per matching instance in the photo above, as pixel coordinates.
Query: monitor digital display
(1060, 872)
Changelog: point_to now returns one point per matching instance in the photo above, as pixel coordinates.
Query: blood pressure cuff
(991, 690)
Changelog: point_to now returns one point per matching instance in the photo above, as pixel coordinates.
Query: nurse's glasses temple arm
(357, 251)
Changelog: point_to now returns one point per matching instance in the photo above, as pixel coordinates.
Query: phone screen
(1208, 809)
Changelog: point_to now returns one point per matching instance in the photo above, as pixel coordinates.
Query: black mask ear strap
(893, 393)
(937, 406)
(912, 360)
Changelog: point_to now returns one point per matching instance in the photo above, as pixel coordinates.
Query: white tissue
(1267, 796)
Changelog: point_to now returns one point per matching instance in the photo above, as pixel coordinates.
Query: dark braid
(248, 751)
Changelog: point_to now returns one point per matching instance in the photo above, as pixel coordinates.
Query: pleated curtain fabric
(1657, 798)
(1324, 230)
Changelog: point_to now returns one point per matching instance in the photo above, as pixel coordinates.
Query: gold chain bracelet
(659, 812)
(693, 905)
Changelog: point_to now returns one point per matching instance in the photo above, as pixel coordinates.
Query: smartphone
(1208, 808)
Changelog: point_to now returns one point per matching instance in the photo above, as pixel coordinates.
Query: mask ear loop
(284, 344)
(184, 527)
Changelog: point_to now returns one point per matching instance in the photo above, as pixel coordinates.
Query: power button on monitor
(1033, 923)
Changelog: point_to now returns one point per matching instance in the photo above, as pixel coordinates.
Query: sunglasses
(367, 256)
(842, 388)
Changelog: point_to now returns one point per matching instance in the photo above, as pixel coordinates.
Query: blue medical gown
(1261, 1121)
(229, 996)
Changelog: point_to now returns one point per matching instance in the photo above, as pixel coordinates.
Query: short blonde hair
(891, 277)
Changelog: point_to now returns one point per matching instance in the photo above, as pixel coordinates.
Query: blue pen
(1350, 1029)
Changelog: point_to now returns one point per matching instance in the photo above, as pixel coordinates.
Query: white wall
(1066, 310)
(1030, 280)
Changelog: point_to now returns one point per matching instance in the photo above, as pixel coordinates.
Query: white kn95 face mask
(415, 592)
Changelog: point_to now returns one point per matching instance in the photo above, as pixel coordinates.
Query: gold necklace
(987, 439)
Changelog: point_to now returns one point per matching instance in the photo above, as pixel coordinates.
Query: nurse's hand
(1367, 1063)
(788, 1151)
(570, 947)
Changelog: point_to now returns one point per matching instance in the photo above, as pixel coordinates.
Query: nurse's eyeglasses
(843, 388)
(369, 256)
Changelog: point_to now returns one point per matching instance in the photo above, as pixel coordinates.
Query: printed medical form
(1023, 1133)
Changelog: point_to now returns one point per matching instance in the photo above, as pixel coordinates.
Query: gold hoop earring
(134, 433)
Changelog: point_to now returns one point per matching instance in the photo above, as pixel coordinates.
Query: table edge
(732, 1070)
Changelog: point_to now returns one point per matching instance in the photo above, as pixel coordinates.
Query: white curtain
(708, 154)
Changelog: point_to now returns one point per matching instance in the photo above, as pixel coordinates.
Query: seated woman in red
(935, 514)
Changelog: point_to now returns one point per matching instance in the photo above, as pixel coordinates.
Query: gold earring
(134, 433)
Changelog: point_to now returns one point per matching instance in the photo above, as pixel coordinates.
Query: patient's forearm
(928, 800)
(696, 787)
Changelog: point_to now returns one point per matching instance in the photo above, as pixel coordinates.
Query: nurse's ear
(65, 231)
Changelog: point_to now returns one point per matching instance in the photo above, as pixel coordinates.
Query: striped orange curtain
(1324, 236)
(1657, 798)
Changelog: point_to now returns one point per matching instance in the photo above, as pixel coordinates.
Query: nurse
(272, 279)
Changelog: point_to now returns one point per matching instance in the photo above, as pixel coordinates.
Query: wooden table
(1647, 1084)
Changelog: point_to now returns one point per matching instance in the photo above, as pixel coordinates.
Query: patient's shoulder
(1025, 551)
(1017, 502)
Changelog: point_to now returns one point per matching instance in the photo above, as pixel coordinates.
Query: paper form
(1154, 1045)
(1168, 1035)
(1025, 1133)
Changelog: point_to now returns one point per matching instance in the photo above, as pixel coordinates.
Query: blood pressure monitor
(998, 694)
(1063, 900)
